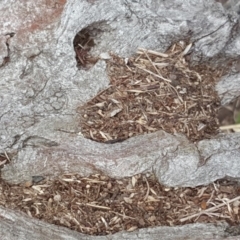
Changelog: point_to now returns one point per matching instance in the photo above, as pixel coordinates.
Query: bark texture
(41, 89)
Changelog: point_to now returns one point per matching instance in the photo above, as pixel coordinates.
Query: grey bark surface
(41, 89)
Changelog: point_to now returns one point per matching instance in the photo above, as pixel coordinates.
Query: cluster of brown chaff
(153, 91)
(100, 205)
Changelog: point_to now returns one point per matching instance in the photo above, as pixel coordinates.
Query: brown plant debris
(100, 205)
(154, 91)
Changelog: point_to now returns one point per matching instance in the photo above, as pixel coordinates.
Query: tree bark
(42, 88)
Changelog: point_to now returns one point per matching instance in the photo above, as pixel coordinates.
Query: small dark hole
(83, 42)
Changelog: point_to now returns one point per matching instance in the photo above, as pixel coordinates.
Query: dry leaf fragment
(104, 221)
(105, 135)
(27, 199)
(152, 199)
(152, 218)
(109, 185)
(38, 188)
(132, 228)
(186, 50)
(203, 205)
(91, 134)
(120, 182)
(201, 126)
(150, 128)
(152, 191)
(132, 195)
(114, 112)
(141, 121)
(127, 200)
(100, 113)
(37, 210)
(114, 220)
(149, 208)
(101, 104)
(57, 198)
(134, 181)
(114, 100)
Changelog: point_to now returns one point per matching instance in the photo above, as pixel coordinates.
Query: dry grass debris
(100, 205)
(153, 91)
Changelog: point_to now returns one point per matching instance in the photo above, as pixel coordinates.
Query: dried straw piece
(210, 210)
(142, 51)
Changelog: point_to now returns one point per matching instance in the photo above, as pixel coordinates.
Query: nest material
(154, 91)
(100, 205)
